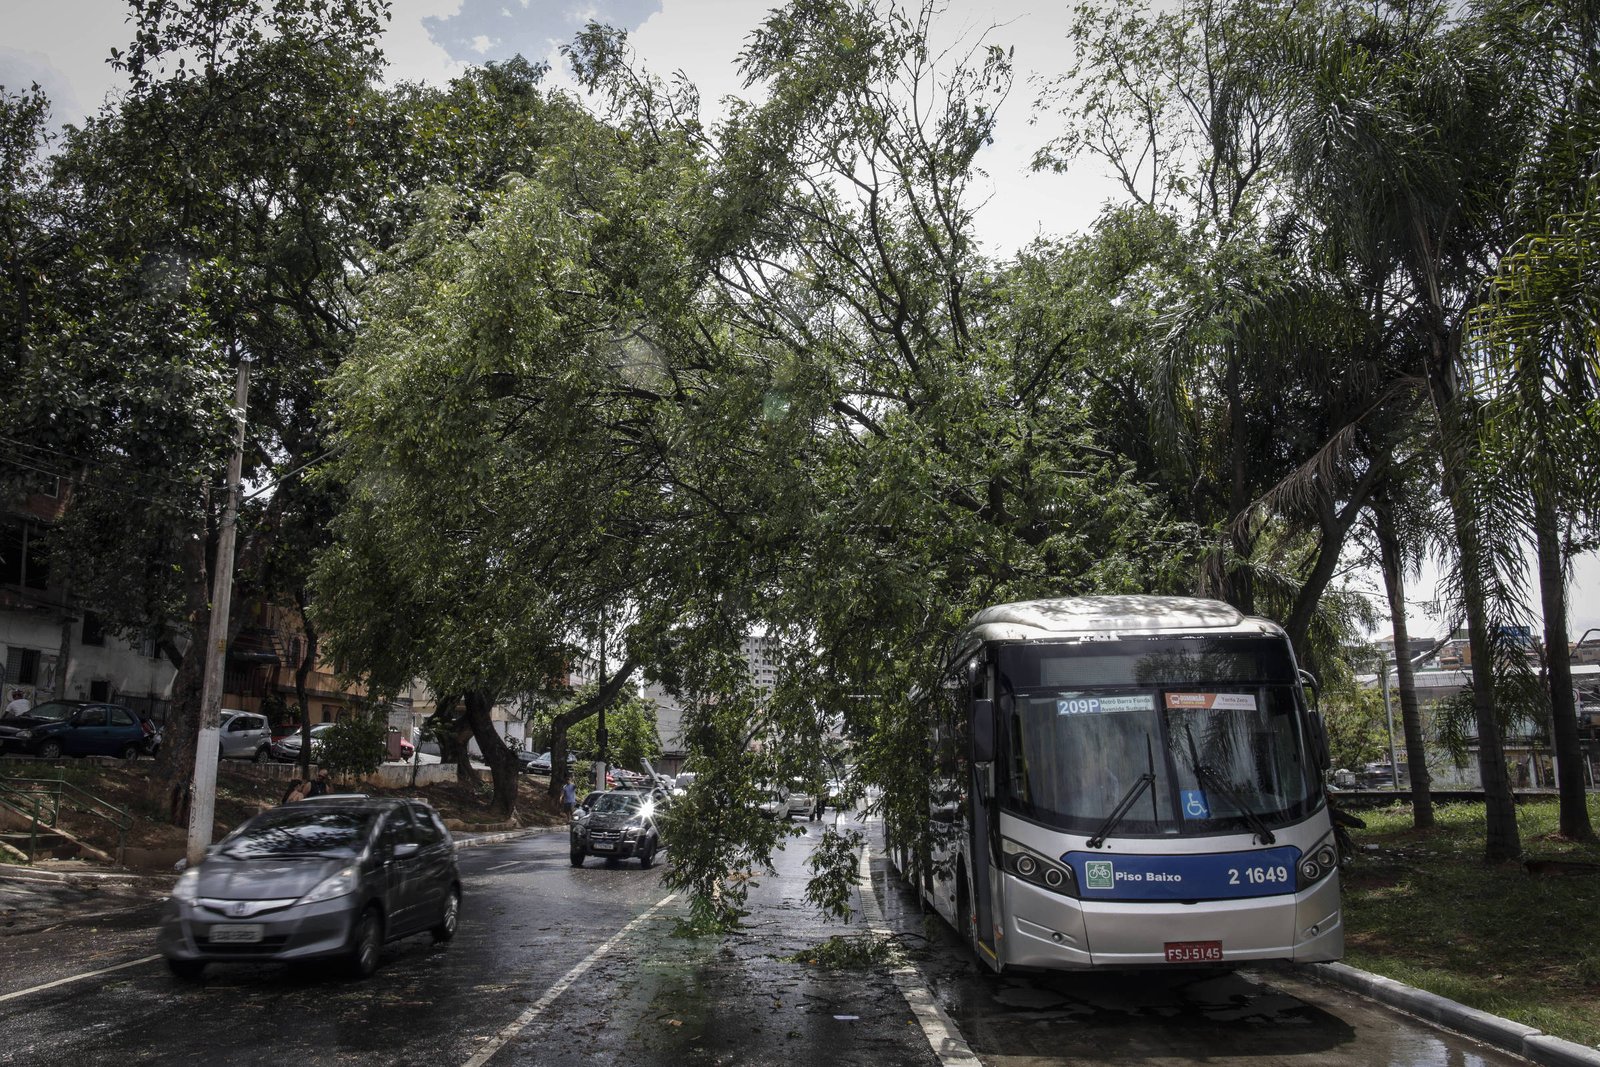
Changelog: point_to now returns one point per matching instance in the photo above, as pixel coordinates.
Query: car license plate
(1193, 951)
(237, 934)
(604, 846)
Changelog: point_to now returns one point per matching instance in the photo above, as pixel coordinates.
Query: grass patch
(1424, 910)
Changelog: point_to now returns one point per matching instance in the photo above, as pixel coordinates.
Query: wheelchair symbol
(1194, 804)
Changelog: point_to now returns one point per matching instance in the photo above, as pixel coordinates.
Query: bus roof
(1067, 617)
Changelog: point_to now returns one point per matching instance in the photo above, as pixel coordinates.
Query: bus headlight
(1036, 869)
(1318, 862)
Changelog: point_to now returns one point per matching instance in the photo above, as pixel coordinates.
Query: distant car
(327, 878)
(621, 825)
(79, 728)
(774, 803)
(525, 761)
(244, 735)
(800, 801)
(288, 749)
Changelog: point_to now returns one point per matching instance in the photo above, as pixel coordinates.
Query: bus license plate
(1193, 951)
(238, 934)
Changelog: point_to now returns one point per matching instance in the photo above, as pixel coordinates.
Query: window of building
(100, 690)
(22, 555)
(22, 666)
(94, 631)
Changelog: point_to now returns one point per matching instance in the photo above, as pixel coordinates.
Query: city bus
(1128, 781)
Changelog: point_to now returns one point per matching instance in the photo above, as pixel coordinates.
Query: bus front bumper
(1053, 931)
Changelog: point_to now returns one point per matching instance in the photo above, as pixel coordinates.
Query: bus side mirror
(983, 731)
(1319, 741)
(1308, 682)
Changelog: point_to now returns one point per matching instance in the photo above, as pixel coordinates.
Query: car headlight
(339, 884)
(24, 735)
(188, 887)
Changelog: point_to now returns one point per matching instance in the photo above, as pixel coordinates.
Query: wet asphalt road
(539, 974)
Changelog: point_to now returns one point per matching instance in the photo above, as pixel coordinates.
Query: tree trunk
(503, 766)
(302, 671)
(1405, 677)
(560, 724)
(64, 654)
(1575, 825)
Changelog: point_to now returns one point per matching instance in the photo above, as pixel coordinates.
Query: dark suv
(331, 877)
(79, 728)
(620, 824)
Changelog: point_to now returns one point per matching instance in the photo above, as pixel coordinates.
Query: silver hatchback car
(332, 877)
(243, 735)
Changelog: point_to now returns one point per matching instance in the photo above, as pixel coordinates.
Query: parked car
(79, 728)
(621, 825)
(244, 735)
(526, 761)
(288, 749)
(328, 878)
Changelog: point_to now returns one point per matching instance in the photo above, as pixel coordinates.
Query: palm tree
(1401, 130)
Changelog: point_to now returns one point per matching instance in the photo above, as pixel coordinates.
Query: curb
(34, 874)
(129, 878)
(502, 835)
(1517, 1038)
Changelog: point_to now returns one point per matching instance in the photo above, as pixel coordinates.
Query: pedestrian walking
(318, 786)
(296, 791)
(816, 805)
(569, 797)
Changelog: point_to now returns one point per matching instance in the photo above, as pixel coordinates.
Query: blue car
(79, 728)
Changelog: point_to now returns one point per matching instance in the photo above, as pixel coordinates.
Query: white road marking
(552, 994)
(498, 866)
(943, 1036)
(77, 978)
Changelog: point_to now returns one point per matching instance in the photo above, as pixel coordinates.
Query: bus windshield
(1210, 725)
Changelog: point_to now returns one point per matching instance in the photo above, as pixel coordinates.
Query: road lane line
(940, 1030)
(552, 994)
(77, 978)
(498, 866)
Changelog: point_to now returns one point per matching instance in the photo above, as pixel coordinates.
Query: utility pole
(1388, 712)
(603, 770)
(203, 796)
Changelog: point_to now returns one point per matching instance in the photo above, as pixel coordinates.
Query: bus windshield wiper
(1205, 773)
(1146, 781)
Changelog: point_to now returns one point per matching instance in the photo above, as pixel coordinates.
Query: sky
(62, 45)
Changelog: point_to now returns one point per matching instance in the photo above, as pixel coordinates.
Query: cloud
(19, 70)
(499, 29)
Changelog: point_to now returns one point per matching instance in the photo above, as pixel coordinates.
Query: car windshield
(54, 711)
(299, 831)
(1203, 735)
(608, 803)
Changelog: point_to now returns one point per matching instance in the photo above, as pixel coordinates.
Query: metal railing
(40, 801)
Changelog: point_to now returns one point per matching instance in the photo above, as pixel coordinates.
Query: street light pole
(203, 795)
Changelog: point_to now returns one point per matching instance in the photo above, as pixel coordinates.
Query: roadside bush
(353, 747)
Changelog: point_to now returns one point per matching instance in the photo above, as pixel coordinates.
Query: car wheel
(261, 754)
(577, 858)
(648, 856)
(130, 752)
(188, 970)
(366, 943)
(451, 916)
(50, 750)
